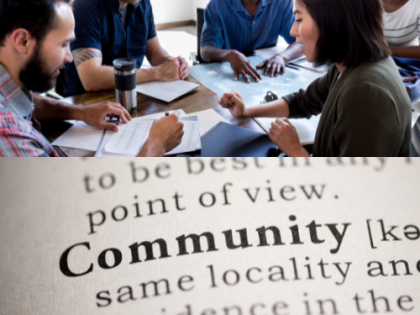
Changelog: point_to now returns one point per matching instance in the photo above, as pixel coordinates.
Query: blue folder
(234, 141)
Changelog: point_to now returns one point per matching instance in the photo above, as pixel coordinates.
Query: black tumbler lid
(124, 64)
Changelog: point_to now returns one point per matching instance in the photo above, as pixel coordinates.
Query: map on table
(218, 77)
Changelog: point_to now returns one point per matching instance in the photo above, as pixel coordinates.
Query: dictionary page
(210, 236)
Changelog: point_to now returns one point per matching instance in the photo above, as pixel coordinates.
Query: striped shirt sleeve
(212, 30)
(20, 139)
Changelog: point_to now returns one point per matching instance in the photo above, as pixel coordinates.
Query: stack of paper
(85, 137)
(167, 91)
(82, 136)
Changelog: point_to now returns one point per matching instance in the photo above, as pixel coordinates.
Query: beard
(35, 75)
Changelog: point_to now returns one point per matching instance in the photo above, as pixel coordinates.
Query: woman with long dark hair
(365, 108)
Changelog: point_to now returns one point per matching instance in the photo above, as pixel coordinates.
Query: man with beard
(111, 29)
(34, 46)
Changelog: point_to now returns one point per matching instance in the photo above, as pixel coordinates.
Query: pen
(116, 122)
(115, 119)
(291, 67)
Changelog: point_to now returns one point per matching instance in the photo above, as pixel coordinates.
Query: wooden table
(199, 100)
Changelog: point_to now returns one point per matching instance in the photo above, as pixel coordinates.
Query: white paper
(101, 150)
(305, 128)
(80, 136)
(208, 119)
(167, 91)
(130, 138)
(85, 137)
(191, 139)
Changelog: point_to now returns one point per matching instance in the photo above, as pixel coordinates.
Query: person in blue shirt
(233, 28)
(111, 29)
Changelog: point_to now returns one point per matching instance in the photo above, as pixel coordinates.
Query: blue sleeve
(213, 29)
(288, 19)
(152, 27)
(87, 15)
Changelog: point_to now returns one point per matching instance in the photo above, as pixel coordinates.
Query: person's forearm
(300, 152)
(406, 52)
(145, 75)
(158, 57)
(278, 109)
(292, 52)
(50, 109)
(103, 78)
(215, 54)
(151, 149)
(155, 53)
(98, 79)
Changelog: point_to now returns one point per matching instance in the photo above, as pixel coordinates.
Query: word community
(264, 234)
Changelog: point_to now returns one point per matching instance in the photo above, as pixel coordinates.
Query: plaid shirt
(20, 132)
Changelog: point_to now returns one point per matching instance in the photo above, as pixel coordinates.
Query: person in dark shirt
(365, 108)
(235, 28)
(111, 29)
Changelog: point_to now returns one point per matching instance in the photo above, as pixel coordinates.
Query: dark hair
(350, 31)
(35, 16)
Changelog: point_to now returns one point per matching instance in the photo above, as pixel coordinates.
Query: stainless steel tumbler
(125, 83)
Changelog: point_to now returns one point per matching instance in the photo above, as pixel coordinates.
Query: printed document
(130, 139)
(84, 137)
(132, 136)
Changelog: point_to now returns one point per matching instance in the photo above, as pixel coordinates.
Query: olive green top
(365, 112)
